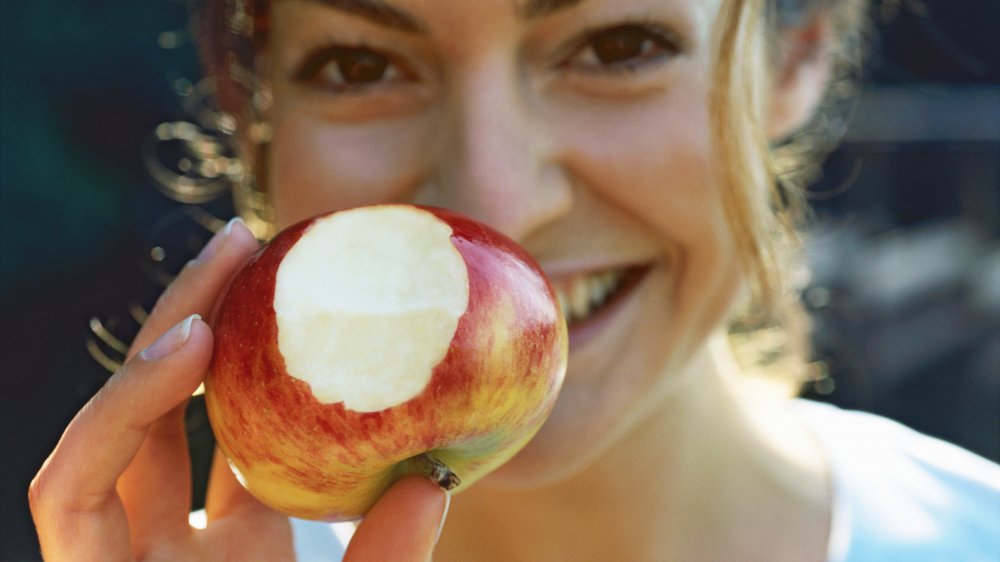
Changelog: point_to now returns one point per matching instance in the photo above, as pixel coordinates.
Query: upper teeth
(581, 294)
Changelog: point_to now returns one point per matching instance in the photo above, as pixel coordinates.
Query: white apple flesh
(371, 337)
(364, 345)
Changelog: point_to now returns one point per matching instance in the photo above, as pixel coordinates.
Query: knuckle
(167, 297)
(37, 496)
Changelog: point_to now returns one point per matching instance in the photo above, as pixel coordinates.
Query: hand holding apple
(368, 344)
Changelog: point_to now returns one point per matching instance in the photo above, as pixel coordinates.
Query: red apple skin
(489, 395)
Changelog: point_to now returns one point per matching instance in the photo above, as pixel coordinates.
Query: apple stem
(437, 471)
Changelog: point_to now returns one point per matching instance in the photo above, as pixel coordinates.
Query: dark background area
(905, 290)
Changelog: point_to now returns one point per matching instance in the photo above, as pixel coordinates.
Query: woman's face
(580, 128)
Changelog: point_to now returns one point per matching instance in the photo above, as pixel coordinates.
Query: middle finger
(156, 487)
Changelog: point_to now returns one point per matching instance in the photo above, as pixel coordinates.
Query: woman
(622, 136)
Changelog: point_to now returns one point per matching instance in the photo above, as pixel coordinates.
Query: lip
(582, 332)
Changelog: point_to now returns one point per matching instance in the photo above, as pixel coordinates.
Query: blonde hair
(763, 186)
(746, 173)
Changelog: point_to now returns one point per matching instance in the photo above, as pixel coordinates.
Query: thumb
(403, 525)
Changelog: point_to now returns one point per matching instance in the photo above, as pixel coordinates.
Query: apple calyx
(437, 471)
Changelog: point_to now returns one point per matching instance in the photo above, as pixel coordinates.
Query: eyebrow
(540, 8)
(383, 14)
(377, 12)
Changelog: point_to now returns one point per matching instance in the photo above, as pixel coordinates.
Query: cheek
(314, 167)
(655, 161)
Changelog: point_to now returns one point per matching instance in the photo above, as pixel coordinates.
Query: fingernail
(215, 245)
(171, 341)
(444, 516)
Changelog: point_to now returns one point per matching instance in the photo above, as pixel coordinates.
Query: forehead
(393, 12)
(418, 16)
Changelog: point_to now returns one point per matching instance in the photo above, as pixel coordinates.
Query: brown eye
(626, 46)
(345, 67)
(356, 67)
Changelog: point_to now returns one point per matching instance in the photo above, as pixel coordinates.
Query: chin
(544, 462)
(614, 380)
(603, 406)
(577, 434)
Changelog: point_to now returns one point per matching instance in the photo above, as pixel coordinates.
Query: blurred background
(905, 252)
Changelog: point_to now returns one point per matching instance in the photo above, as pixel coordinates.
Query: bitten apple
(364, 345)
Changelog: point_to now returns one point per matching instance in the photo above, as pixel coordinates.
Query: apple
(368, 344)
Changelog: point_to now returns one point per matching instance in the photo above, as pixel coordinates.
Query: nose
(495, 162)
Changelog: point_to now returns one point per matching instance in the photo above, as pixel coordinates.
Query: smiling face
(581, 129)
